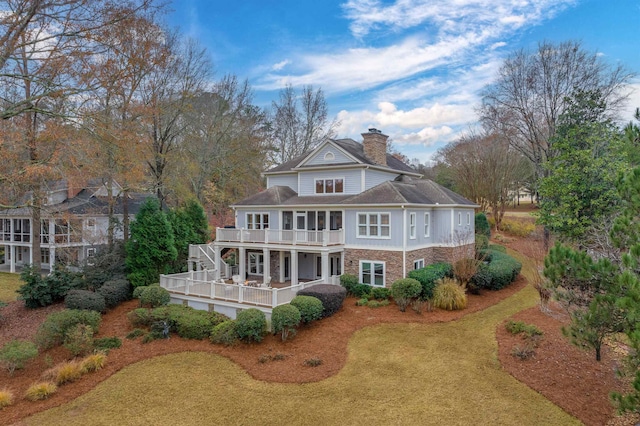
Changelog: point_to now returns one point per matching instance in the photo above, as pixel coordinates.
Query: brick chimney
(375, 146)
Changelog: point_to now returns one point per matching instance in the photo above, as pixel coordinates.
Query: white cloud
(280, 65)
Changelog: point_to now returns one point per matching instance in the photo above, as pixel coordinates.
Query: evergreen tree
(151, 247)
(189, 225)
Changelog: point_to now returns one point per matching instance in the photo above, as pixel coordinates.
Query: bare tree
(532, 89)
(299, 123)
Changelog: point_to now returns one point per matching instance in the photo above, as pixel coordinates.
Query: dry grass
(93, 362)
(6, 398)
(65, 372)
(9, 283)
(42, 390)
(395, 374)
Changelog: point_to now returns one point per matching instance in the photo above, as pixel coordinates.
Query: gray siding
(274, 217)
(351, 229)
(376, 177)
(441, 226)
(290, 180)
(338, 157)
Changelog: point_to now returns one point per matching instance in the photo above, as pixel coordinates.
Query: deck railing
(198, 284)
(281, 236)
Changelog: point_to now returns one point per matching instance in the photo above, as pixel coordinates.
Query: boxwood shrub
(482, 225)
(224, 333)
(115, 292)
(361, 290)
(429, 275)
(138, 291)
(55, 327)
(500, 267)
(310, 308)
(331, 296)
(348, 281)
(251, 325)
(154, 296)
(380, 293)
(285, 319)
(85, 300)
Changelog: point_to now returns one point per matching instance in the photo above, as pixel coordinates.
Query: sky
(413, 69)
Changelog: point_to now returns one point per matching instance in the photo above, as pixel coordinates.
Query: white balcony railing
(281, 236)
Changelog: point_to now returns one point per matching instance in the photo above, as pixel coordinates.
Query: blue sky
(411, 68)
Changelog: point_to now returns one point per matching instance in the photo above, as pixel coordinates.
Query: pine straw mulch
(568, 377)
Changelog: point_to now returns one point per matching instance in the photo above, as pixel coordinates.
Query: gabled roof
(403, 190)
(353, 149)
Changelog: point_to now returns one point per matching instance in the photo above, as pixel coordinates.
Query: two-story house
(344, 207)
(74, 223)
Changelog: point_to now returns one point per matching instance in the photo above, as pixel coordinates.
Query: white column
(325, 266)
(242, 263)
(294, 267)
(217, 259)
(12, 250)
(52, 257)
(266, 267)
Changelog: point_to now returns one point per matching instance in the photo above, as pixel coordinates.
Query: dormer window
(329, 156)
(329, 186)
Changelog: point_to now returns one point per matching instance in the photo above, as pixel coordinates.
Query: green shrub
(348, 281)
(380, 293)
(497, 247)
(115, 292)
(224, 333)
(313, 362)
(284, 320)
(482, 242)
(378, 303)
(79, 339)
(449, 295)
(404, 291)
(251, 325)
(503, 269)
(361, 290)
(38, 291)
(517, 327)
(85, 300)
(194, 324)
(140, 317)
(482, 277)
(138, 291)
(154, 296)
(55, 327)
(429, 275)
(14, 354)
(482, 225)
(310, 307)
(107, 343)
(135, 333)
(331, 296)
(362, 302)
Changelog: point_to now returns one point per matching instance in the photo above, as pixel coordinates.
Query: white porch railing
(199, 284)
(281, 236)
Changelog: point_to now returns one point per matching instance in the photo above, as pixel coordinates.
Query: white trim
(412, 226)
(256, 214)
(427, 224)
(420, 263)
(468, 218)
(368, 225)
(329, 156)
(324, 185)
(373, 262)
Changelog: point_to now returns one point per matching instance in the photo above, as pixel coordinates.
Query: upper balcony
(281, 236)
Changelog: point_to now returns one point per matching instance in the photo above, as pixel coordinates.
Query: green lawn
(395, 374)
(9, 283)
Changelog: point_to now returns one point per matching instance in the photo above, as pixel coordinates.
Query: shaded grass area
(9, 283)
(395, 374)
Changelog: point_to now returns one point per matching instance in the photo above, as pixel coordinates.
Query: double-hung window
(257, 221)
(372, 272)
(418, 264)
(427, 224)
(412, 226)
(375, 225)
(256, 263)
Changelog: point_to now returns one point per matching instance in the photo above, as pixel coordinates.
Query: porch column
(325, 266)
(12, 254)
(294, 267)
(266, 265)
(52, 258)
(242, 263)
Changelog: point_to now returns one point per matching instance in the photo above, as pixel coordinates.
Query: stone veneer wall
(393, 259)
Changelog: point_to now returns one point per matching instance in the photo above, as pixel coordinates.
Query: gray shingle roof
(355, 149)
(403, 190)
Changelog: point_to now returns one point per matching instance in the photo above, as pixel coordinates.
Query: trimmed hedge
(224, 333)
(482, 225)
(380, 293)
(138, 291)
(154, 296)
(331, 296)
(502, 268)
(115, 292)
(187, 322)
(429, 275)
(85, 300)
(55, 327)
(285, 319)
(310, 307)
(361, 290)
(251, 325)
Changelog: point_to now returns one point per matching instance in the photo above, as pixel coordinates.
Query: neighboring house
(344, 207)
(74, 224)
